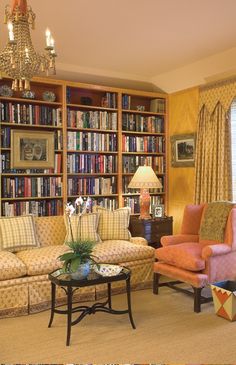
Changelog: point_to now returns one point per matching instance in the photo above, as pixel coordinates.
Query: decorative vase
(82, 272)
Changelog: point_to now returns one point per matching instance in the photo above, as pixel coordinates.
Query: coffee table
(59, 279)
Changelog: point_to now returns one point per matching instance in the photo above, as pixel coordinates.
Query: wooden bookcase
(88, 122)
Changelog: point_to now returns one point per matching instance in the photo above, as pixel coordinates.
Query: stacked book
(143, 144)
(92, 186)
(91, 119)
(91, 163)
(130, 163)
(139, 123)
(90, 141)
(37, 208)
(30, 114)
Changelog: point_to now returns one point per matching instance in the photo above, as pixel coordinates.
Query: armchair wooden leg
(156, 277)
(197, 300)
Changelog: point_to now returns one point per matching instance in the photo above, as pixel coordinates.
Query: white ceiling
(142, 43)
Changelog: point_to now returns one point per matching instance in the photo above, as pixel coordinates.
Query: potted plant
(78, 260)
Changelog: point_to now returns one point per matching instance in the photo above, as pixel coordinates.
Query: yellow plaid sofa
(24, 284)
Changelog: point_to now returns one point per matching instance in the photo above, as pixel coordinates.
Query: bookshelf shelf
(142, 112)
(93, 174)
(137, 194)
(142, 133)
(33, 198)
(94, 152)
(22, 125)
(92, 130)
(30, 101)
(90, 107)
(144, 153)
(93, 195)
(86, 117)
(30, 174)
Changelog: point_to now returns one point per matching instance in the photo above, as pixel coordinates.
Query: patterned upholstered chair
(186, 258)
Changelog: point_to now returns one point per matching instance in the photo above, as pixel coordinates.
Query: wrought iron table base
(87, 310)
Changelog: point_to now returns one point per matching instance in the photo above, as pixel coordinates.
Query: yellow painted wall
(183, 114)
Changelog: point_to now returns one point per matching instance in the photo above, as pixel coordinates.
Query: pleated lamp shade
(145, 178)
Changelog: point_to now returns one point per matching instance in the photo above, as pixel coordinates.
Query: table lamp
(144, 179)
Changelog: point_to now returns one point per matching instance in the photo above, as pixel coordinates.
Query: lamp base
(144, 204)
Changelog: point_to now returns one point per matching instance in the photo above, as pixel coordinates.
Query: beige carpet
(167, 331)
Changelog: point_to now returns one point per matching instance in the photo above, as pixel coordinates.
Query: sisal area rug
(168, 331)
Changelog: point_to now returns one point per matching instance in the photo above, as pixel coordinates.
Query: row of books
(91, 141)
(131, 163)
(23, 187)
(126, 180)
(126, 101)
(143, 144)
(6, 138)
(133, 203)
(139, 123)
(109, 100)
(155, 106)
(5, 166)
(81, 163)
(91, 119)
(92, 186)
(30, 114)
(37, 208)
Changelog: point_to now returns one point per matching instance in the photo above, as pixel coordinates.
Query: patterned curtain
(213, 179)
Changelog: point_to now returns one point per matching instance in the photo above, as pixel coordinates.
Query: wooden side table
(151, 229)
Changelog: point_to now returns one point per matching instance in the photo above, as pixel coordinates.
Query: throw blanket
(214, 221)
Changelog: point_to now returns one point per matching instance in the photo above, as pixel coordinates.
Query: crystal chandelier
(18, 59)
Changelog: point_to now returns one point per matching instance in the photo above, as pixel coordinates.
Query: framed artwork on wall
(183, 148)
(32, 149)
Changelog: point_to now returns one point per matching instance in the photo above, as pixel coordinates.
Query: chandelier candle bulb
(48, 38)
(10, 29)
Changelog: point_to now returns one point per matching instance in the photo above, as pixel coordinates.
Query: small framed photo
(183, 150)
(158, 211)
(32, 149)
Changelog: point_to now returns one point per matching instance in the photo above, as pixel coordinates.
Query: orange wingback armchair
(185, 258)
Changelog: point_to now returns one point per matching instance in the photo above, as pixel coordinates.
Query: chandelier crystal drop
(18, 59)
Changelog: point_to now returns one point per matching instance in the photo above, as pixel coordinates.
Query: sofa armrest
(215, 250)
(178, 238)
(139, 241)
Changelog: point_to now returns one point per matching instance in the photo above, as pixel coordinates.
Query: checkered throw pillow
(84, 227)
(17, 233)
(113, 225)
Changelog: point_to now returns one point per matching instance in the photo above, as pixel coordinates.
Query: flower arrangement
(81, 205)
(77, 260)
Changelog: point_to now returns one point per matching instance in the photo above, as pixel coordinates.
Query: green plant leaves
(81, 253)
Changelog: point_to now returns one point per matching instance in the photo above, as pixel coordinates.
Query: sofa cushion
(17, 233)
(184, 255)
(117, 251)
(11, 267)
(50, 231)
(84, 227)
(42, 260)
(113, 225)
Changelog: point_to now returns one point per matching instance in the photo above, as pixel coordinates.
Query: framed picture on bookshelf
(183, 150)
(32, 149)
(158, 211)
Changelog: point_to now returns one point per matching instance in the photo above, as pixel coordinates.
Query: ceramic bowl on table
(107, 269)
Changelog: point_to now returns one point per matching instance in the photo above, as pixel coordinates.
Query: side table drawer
(152, 229)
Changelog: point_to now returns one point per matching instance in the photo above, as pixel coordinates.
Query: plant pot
(82, 272)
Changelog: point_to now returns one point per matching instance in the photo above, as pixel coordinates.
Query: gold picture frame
(183, 148)
(32, 149)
